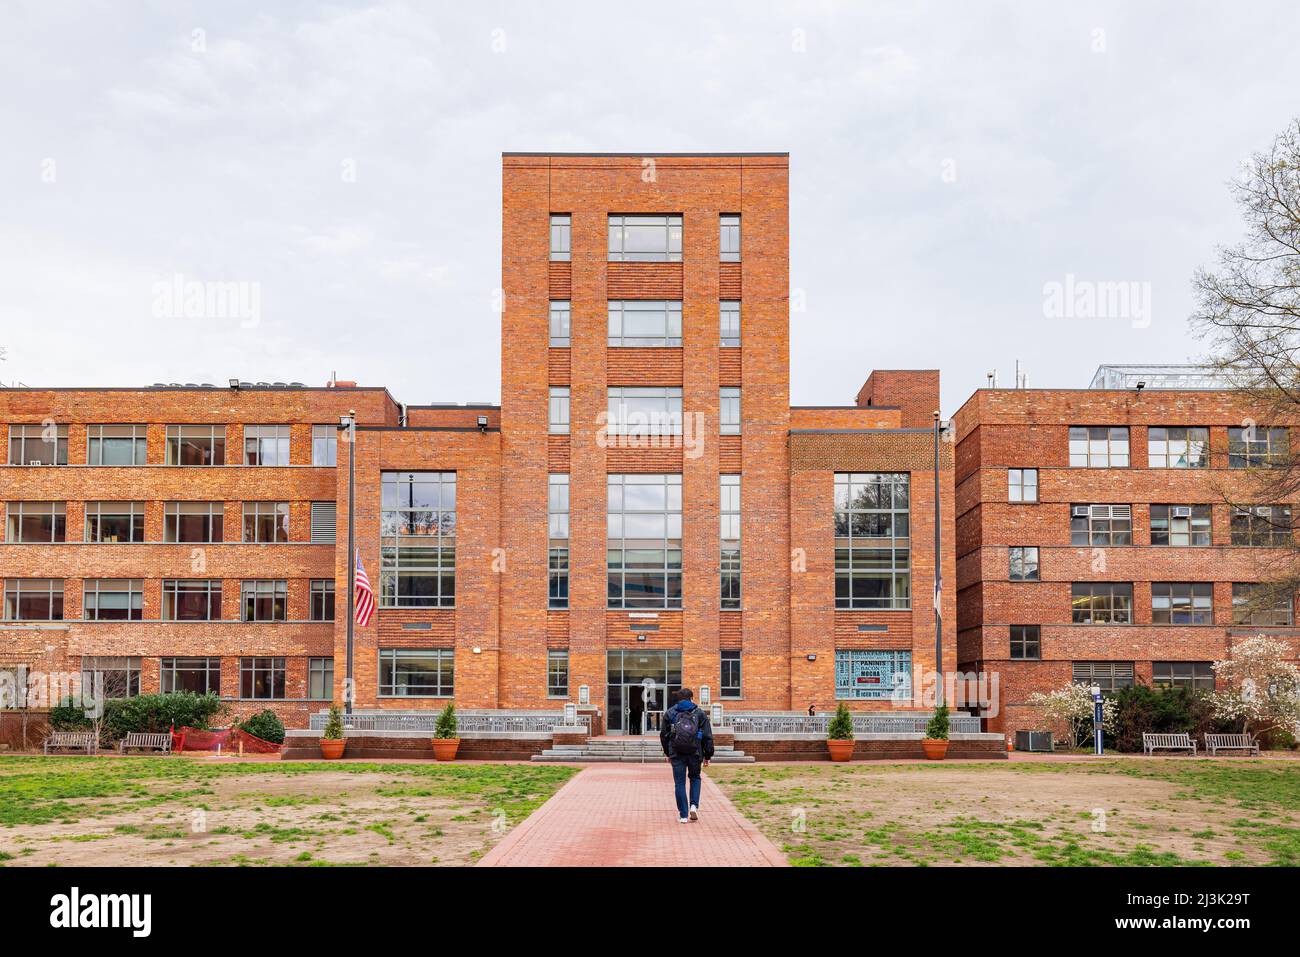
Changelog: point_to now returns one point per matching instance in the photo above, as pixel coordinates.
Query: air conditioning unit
(1080, 511)
(1263, 511)
(1033, 741)
(1182, 511)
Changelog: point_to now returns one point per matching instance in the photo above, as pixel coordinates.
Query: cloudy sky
(948, 161)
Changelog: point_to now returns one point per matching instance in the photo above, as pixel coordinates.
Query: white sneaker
(695, 813)
(683, 820)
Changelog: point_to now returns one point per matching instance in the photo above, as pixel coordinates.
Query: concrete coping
(886, 736)
(424, 735)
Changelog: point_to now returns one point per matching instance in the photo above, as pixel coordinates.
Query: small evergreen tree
(841, 726)
(937, 729)
(446, 725)
(334, 726)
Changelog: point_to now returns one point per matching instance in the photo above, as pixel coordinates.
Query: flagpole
(938, 574)
(348, 685)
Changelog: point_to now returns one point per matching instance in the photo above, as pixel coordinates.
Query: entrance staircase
(630, 749)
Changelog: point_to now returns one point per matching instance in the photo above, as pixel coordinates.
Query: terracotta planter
(934, 748)
(332, 750)
(444, 749)
(840, 750)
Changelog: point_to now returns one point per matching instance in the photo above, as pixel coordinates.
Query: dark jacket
(705, 734)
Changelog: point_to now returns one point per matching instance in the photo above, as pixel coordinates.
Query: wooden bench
(1215, 743)
(86, 741)
(1152, 743)
(161, 741)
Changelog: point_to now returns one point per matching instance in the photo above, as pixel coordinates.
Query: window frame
(173, 589)
(729, 237)
(627, 557)
(557, 412)
(1016, 480)
(213, 520)
(616, 327)
(260, 513)
(1194, 601)
(210, 669)
(266, 668)
(321, 593)
(1274, 530)
(1110, 592)
(729, 327)
(561, 229)
(561, 309)
(664, 419)
(1160, 447)
(417, 539)
(849, 660)
(620, 223)
(320, 678)
(555, 671)
(1023, 638)
(95, 513)
(731, 680)
(1258, 453)
(139, 439)
(391, 656)
(849, 566)
(256, 455)
(325, 446)
(254, 593)
(18, 590)
(56, 513)
(1100, 522)
(1028, 563)
(1089, 455)
(32, 434)
(1192, 681)
(133, 588)
(178, 437)
(1165, 532)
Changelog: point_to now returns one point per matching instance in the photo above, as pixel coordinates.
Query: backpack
(685, 731)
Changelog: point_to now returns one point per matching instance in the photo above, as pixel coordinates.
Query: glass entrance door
(641, 685)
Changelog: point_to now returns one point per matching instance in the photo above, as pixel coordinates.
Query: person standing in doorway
(687, 739)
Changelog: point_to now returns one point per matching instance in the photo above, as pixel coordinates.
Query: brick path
(624, 816)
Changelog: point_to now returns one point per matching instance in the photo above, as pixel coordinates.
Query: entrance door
(641, 686)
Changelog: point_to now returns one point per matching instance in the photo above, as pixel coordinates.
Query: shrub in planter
(332, 742)
(839, 734)
(445, 742)
(265, 725)
(935, 743)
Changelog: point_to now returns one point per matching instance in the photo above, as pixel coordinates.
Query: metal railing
(471, 722)
(791, 722)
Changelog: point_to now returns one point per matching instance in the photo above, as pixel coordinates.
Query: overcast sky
(947, 161)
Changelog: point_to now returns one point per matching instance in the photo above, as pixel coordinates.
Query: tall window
(1026, 642)
(561, 236)
(194, 521)
(265, 599)
(115, 521)
(557, 510)
(649, 239)
(322, 600)
(1180, 525)
(558, 412)
(261, 679)
(110, 676)
(644, 538)
(191, 599)
(1022, 485)
(873, 674)
(33, 599)
(729, 411)
(644, 411)
(1107, 675)
(418, 540)
(561, 324)
(729, 238)
(1023, 563)
(266, 522)
(729, 685)
(557, 674)
(37, 522)
(1256, 446)
(320, 678)
(115, 445)
(1098, 447)
(1261, 604)
(196, 445)
(729, 516)
(645, 322)
(1182, 603)
(38, 445)
(1101, 603)
(325, 445)
(1101, 525)
(1193, 675)
(416, 672)
(113, 599)
(1266, 525)
(729, 312)
(873, 567)
(1178, 448)
(195, 675)
(266, 445)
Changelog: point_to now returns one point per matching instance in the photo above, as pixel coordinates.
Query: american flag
(365, 595)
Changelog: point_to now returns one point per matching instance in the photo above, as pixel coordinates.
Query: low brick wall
(982, 747)
(399, 745)
(15, 737)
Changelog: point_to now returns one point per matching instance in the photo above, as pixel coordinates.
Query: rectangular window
(195, 675)
(266, 445)
(113, 599)
(557, 509)
(195, 522)
(37, 522)
(325, 445)
(266, 522)
(322, 600)
(1193, 675)
(557, 674)
(729, 411)
(1262, 525)
(33, 599)
(873, 674)
(729, 238)
(1022, 485)
(115, 521)
(729, 312)
(1182, 603)
(261, 679)
(645, 322)
(729, 535)
(417, 553)
(644, 541)
(645, 239)
(38, 445)
(873, 567)
(265, 599)
(1108, 675)
(729, 685)
(115, 445)
(561, 237)
(1102, 603)
(558, 412)
(1261, 604)
(320, 678)
(191, 599)
(1101, 525)
(1024, 563)
(196, 445)
(1178, 448)
(644, 411)
(111, 676)
(561, 328)
(1180, 525)
(1026, 642)
(416, 673)
(1098, 447)
(1256, 447)
(324, 522)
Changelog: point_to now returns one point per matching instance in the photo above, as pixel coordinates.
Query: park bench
(1152, 743)
(86, 741)
(1215, 743)
(145, 741)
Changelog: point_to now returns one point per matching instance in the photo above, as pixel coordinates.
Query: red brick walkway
(624, 816)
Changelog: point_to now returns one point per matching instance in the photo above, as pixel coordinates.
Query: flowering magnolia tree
(1070, 708)
(1262, 686)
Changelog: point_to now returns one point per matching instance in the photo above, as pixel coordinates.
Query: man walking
(687, 739)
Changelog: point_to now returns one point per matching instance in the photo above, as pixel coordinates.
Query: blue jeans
(681, 765)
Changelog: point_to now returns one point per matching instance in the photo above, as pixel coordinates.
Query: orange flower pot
(444, 749)
(331, 750)
(934, 748)
(840, 750)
